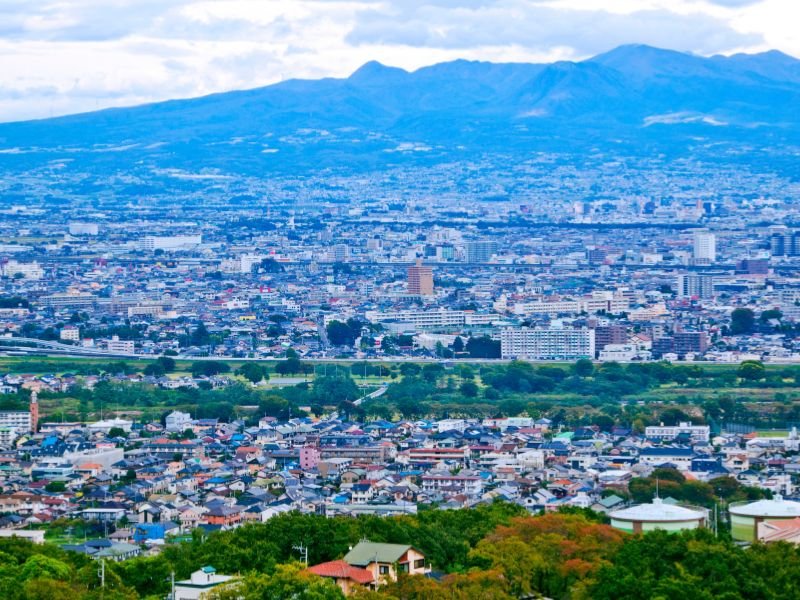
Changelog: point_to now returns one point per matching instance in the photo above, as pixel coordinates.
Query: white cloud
(63, 56)
(540, 27)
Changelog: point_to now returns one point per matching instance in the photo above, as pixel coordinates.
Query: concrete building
(667, 433)
(14, 269)
(173, 242)
(177, 421)
(119, 346)
(420, 279)
(70, 333)
(547, 344)
(695, 285)
(21, 421)
(704, 247)
(480, 251)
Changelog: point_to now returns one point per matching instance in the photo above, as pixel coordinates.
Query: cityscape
(514, 319)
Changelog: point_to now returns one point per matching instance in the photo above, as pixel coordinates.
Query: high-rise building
(339, 253)
(480, 251)
(783, 241)
(705, 247)
(420, 279)
(695, 285)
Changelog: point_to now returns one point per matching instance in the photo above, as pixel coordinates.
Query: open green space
(572, 394)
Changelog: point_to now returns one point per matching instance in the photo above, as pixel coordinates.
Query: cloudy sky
(63, 56)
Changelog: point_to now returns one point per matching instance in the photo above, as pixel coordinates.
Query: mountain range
(636, 99)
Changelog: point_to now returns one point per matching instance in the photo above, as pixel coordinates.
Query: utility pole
(102, 574)
(303, 550)
(172, 585)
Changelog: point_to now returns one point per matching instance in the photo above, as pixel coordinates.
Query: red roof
(341, 570)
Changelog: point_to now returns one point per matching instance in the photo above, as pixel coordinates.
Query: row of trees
(492, 552)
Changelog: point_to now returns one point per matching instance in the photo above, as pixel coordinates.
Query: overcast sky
(63, 56)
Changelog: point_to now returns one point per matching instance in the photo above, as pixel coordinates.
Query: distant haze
(69, 56)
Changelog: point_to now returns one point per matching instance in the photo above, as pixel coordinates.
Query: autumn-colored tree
(547, 554)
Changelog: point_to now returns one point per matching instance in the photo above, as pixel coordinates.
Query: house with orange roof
(346, 576)
(785, 530)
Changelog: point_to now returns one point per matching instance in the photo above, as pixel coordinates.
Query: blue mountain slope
(635, 94)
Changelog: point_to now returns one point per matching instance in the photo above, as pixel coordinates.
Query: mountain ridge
(454, 108)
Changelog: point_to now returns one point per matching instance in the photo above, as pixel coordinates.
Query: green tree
(742, 321)
(39, 566)
(751, 370)
(115, 432)
(253, 372)
(334, 389)
(583, 367)
(200, 336)
(483, 347)
(340, 334)
(209, 368)
(288, 582)
(469, 389)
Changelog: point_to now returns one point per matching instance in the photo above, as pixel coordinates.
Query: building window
(419, 563)
(383, 569)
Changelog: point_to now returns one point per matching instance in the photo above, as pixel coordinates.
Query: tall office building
(481, 251)
(420, 279)
(339, 253)
(705, 247)
(783, 241)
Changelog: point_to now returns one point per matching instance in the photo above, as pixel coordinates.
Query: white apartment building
(178, 422)
(19, 420)
(31, 270)
(698, 433)
(70, 334)
(623, 353)
(8, 435)
(705, 247)
(606, 302)
(471, 485)
(440, 317)
(173, 242)
(547, 344)
(119, 346)
(146, 310)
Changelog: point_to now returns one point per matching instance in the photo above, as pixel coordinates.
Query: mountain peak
(374, 72)
(628, 53)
